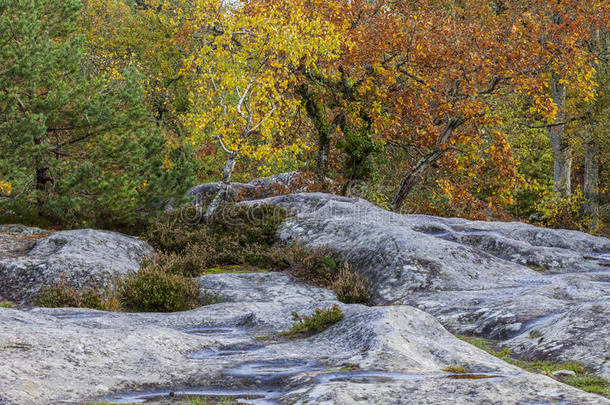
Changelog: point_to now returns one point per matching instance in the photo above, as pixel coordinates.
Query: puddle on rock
(216, 331)
(78, 315)
(222, 352)
(273, 369)
(210, 395)
(371, 376)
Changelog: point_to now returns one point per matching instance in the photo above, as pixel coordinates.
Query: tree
(77, 146)
(242, 72)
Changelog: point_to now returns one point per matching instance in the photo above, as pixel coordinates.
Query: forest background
(485, 109)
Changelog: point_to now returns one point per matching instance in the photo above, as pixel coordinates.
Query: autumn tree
(241, 75)
(560, 34)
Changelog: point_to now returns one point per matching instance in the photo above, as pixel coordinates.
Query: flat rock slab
(380, 355)
(263, 287)
(31, 258)
(492, 279)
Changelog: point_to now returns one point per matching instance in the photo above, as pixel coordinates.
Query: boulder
(258, 188)
(380, 355)
(492, 279)
(31, 258)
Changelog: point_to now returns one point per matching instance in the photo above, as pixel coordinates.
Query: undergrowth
(245, 236)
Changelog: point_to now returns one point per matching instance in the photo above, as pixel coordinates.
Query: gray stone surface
(263, 287)
(399, 352)
(257, 188)
(31, 258)
(492, 279)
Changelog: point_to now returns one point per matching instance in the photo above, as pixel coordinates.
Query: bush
(63, 294)
(316, 323)
(152, 290)
(564, 212)
(350, 287)
(312, 265)
(6, 304)
(248, 224)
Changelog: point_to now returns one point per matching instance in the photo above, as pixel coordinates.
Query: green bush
(321, 319)
(152, 290)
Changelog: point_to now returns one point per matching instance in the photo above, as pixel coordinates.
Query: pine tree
(76, 148)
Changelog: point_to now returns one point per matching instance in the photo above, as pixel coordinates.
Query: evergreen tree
(77, 148)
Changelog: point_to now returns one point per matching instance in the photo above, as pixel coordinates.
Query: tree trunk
(421, 167)
(413, 176)
(591, 183)
(325, 130)
(222, 194)
(562, 151)
(42, 178)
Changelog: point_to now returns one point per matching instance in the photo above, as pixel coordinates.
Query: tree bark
(324, 129)
(222, 194)
(591, 181)
(42, 177)
(562, 151)
(414, 175)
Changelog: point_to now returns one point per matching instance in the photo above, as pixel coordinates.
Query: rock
(564, 373)
(262, 287)
(391, 354)
(31, 258)
(262, 187)
(569, 336)
(492, 279)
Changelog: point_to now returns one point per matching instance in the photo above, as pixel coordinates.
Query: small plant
(312, 265)
(350, 287)
(456, 369)
(589, 383)
(316, 323)
(6, 304)
(152, 290)
(209, 298)
(535, 334)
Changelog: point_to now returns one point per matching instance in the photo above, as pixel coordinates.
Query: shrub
(312, 265)
(63, 294)
(316, 323)
(560, 212)
(350, 287)
(249, 224)
(152, 290)
(239, 224)
(6, 304)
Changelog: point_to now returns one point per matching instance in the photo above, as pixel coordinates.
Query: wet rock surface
(31, 258)
(492, 279)
(376, 355)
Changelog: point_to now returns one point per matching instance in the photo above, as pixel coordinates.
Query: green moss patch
(583, 379)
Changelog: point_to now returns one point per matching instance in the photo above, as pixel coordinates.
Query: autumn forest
(483, 109)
